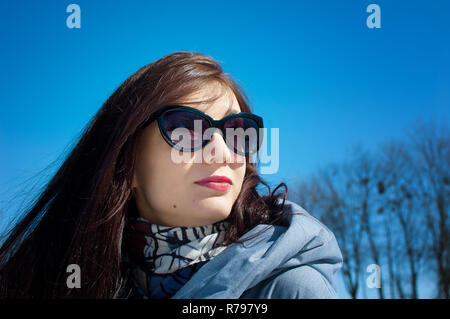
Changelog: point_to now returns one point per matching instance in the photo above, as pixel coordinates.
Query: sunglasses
(188, 129)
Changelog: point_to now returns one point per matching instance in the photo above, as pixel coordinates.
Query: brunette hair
(79, 217)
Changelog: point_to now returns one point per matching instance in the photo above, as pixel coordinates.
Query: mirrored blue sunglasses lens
(185, 129)
(242, 135)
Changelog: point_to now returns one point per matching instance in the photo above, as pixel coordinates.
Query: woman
(149, 205)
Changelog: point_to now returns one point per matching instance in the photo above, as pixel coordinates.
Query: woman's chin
(210, 215)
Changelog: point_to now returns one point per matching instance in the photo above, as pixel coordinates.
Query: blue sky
(313, 69)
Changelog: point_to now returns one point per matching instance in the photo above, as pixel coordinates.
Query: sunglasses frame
(218, 124)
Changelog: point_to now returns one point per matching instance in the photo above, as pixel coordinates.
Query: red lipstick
(220, 183)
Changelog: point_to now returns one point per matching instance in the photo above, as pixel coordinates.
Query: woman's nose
(217, 150)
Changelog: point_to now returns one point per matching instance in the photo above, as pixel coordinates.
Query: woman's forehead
(226, 102)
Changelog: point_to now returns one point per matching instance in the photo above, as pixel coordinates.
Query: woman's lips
(215, 185)
(220, 183)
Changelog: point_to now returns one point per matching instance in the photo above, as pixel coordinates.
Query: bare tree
(399, 194)
(430, 145)
(325, 196)
(391, 208)
(362, 170)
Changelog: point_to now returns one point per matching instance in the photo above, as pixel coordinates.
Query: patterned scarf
(161, 259)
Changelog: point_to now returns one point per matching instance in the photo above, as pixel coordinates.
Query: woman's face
(165, 190)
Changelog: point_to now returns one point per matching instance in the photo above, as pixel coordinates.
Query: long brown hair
(79, 216)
